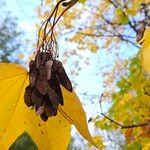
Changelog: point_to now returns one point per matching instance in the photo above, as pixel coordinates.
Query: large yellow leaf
(74, 113)
(147, 146)
(15, 117)
(145, 50)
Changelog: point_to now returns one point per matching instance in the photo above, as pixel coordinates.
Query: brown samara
(44, 91)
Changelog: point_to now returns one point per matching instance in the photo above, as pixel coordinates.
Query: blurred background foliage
(10, 36)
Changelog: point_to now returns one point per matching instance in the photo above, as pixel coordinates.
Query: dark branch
(124, 38)
(125, 127)
(119, 124)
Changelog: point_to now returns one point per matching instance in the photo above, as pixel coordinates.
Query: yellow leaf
(145, 51)
(134, 8)
(146, 1)
(147, 146)
(120, 17)
(146, 37)
(15, 117)
(74, 113)
(20, 56)
(98, 140)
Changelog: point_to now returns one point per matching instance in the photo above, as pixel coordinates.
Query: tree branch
(125, 127)
(124, 38)
(119, 124)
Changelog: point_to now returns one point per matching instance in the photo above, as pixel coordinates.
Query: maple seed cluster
(44, 92)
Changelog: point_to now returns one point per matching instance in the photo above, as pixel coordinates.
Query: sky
(25, 12)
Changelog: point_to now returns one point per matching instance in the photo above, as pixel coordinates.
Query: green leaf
(135, 146)
(121, 17)
(24, 142)
(124, 20)
(82, 1)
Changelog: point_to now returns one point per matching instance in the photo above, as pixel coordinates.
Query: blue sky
(25, 12)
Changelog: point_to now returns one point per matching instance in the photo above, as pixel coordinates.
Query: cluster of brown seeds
(44, 93)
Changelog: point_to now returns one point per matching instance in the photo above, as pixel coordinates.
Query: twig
(125, 127)
(111, 120)
(124, 38)
(100, 102)
(119, 124)
(146, 93)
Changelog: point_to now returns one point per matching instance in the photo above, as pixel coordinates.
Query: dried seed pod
(55, 84)
(59, 70)
(44, 116)
(50, 111)
(39, 110)
(32, 79)
(49, 56)
(38, 58)
(42, 57)
(41, 82)
(42, 72)
(33, 74)
(49, 68)
(41, 85)
(44, 92)
(37, 98)
(27, 96)
(49, 108)
(32, 66)
(53, 96)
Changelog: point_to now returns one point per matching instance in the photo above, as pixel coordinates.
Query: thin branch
(111, 120)
(122, 37)
(123, 126)
(135, 125)
(128, 41)
(100, 35)
(89, 95)
(100, 100)
(119, 124)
